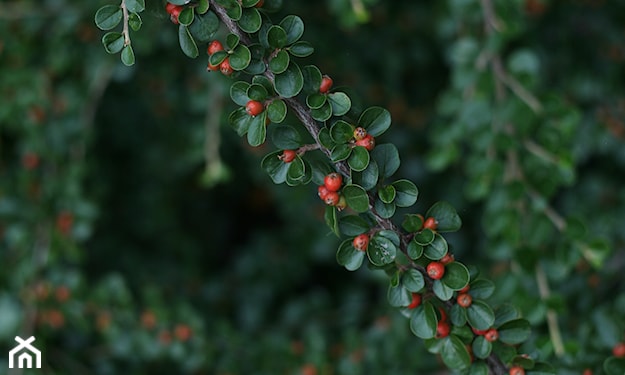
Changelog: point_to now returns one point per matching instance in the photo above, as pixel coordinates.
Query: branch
(125, 31)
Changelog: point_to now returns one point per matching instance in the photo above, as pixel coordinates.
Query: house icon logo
(25, 359)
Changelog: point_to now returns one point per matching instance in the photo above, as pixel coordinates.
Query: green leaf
(296, 172)
(280, 62)
(202, 6)
(479, 368)
(381, 251)
(301, 49)
(348, 257)
(413, 280)
(135, 6)
(315, 100)
(415, 251)
(250, 20)
(385, 210)
(187, 44)
(205, 26)
(187, 16)
(505, 313)
(249, 3)
(359, 159)
(234, 11)
(356, 198)
(325, 139)
(340, 152)
(391, 235)
(425, 237)
(458, 315)
(387, 158)
(398, 296)
(455, 354)
(276, 110)
(368, 178)
(387, 193)
(376, 120)
(218, 57)
(238, 93)
(541, 368)
(276, 36)
(456, 276)
(232, 41)
(481, 288)
(481, 347)
(290, 82)
(256, 91)
(611, 366)
(113, 42)
(128, 56)
(480, 315)
(407, 193)
(323, 113)
(413, 223)
(446, 216)
(134, 21)
(514, 332)
(353, 225)
(341, 132)
(441, 291)
(437, 248)
(340, 103)
(240, 57)
(275, 168)
(108, 17)
(312, 79)
(423, 321)
(257, 130)
(240, 121)
(293, 27)
(331, 220)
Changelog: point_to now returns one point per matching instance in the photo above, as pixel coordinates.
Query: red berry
(443, 314)
(619, 350)
(491, 335)
(367, 142)
(169, 7)
(260, 3)
(288, 156)
(517, 370)
(435, 270)
(214, 46)
(464, 300)
(442, 329)
(333, 181)
(430, 223)
(212, 67)
(361, 242)
(465, 289)
(479, 332)
(448, 258)
(332, 198)
(175, 12)
(254, 108)
(322, 191)
(225, 67)
(326, 84)
(360, 133)
(30, 161)
(587, 372)
(416, 301)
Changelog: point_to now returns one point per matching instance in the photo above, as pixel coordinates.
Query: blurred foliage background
(139, 235)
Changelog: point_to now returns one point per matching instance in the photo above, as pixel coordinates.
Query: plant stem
(125, 31)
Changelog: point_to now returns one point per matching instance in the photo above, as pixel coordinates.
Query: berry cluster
(361, 138)
(224, 66)
(329, 191)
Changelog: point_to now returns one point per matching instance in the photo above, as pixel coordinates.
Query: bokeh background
(139, 235)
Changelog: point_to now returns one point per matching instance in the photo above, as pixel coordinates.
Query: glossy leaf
(481, 288)
(368, 178)
(442, 291)
(425, 237)
(514, 332)
(456, 276)
(348, 257)
(312, 79)
(204, 27)
(301, 49)
(340, 152)
(113, 42)
(331, 220)
(359, 159)
(240, 57)
(135, 6)
(437, 248)
(353, 225)
(480, 315)
(275, 168)
(187, 44)
(341, 132)
(446, 216)
(356, 197)
(385, 210)
(128, 56)
(423, 321)
(293, 27)
(415, 251)
(481, 347)
(280, 62)
(387, 159)
(454, 353)
(276, 111)
(186, 17)
(381, 251)
(323, 113)
(257, 92)
(286, 137)
(108, 17)
(376, 120)
(413, 223)
(134, 21)
(340, 103)
(290, 82)
(407, 193)
(413, 280)
(257, 131)
(250, 20)
(398, 295)
(276, 36)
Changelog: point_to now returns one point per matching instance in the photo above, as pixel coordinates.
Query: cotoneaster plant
(444, 303)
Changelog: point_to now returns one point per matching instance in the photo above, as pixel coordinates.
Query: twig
(125, 31)
(552, 316)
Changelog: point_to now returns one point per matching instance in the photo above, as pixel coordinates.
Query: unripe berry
(367, 142)
(430, 223)
(342, 203)
(360, 133)
(288, 156)
(333, 181)
(435, 270)
(322, 191)
(361, 242)
(225, 67)
(464, 300)
(326, 84)
(517, 370)
(332, 198)
(254, 108)
(442, 329)
(491, 335)
(619, 350)
(214, 46)
(416, 301)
